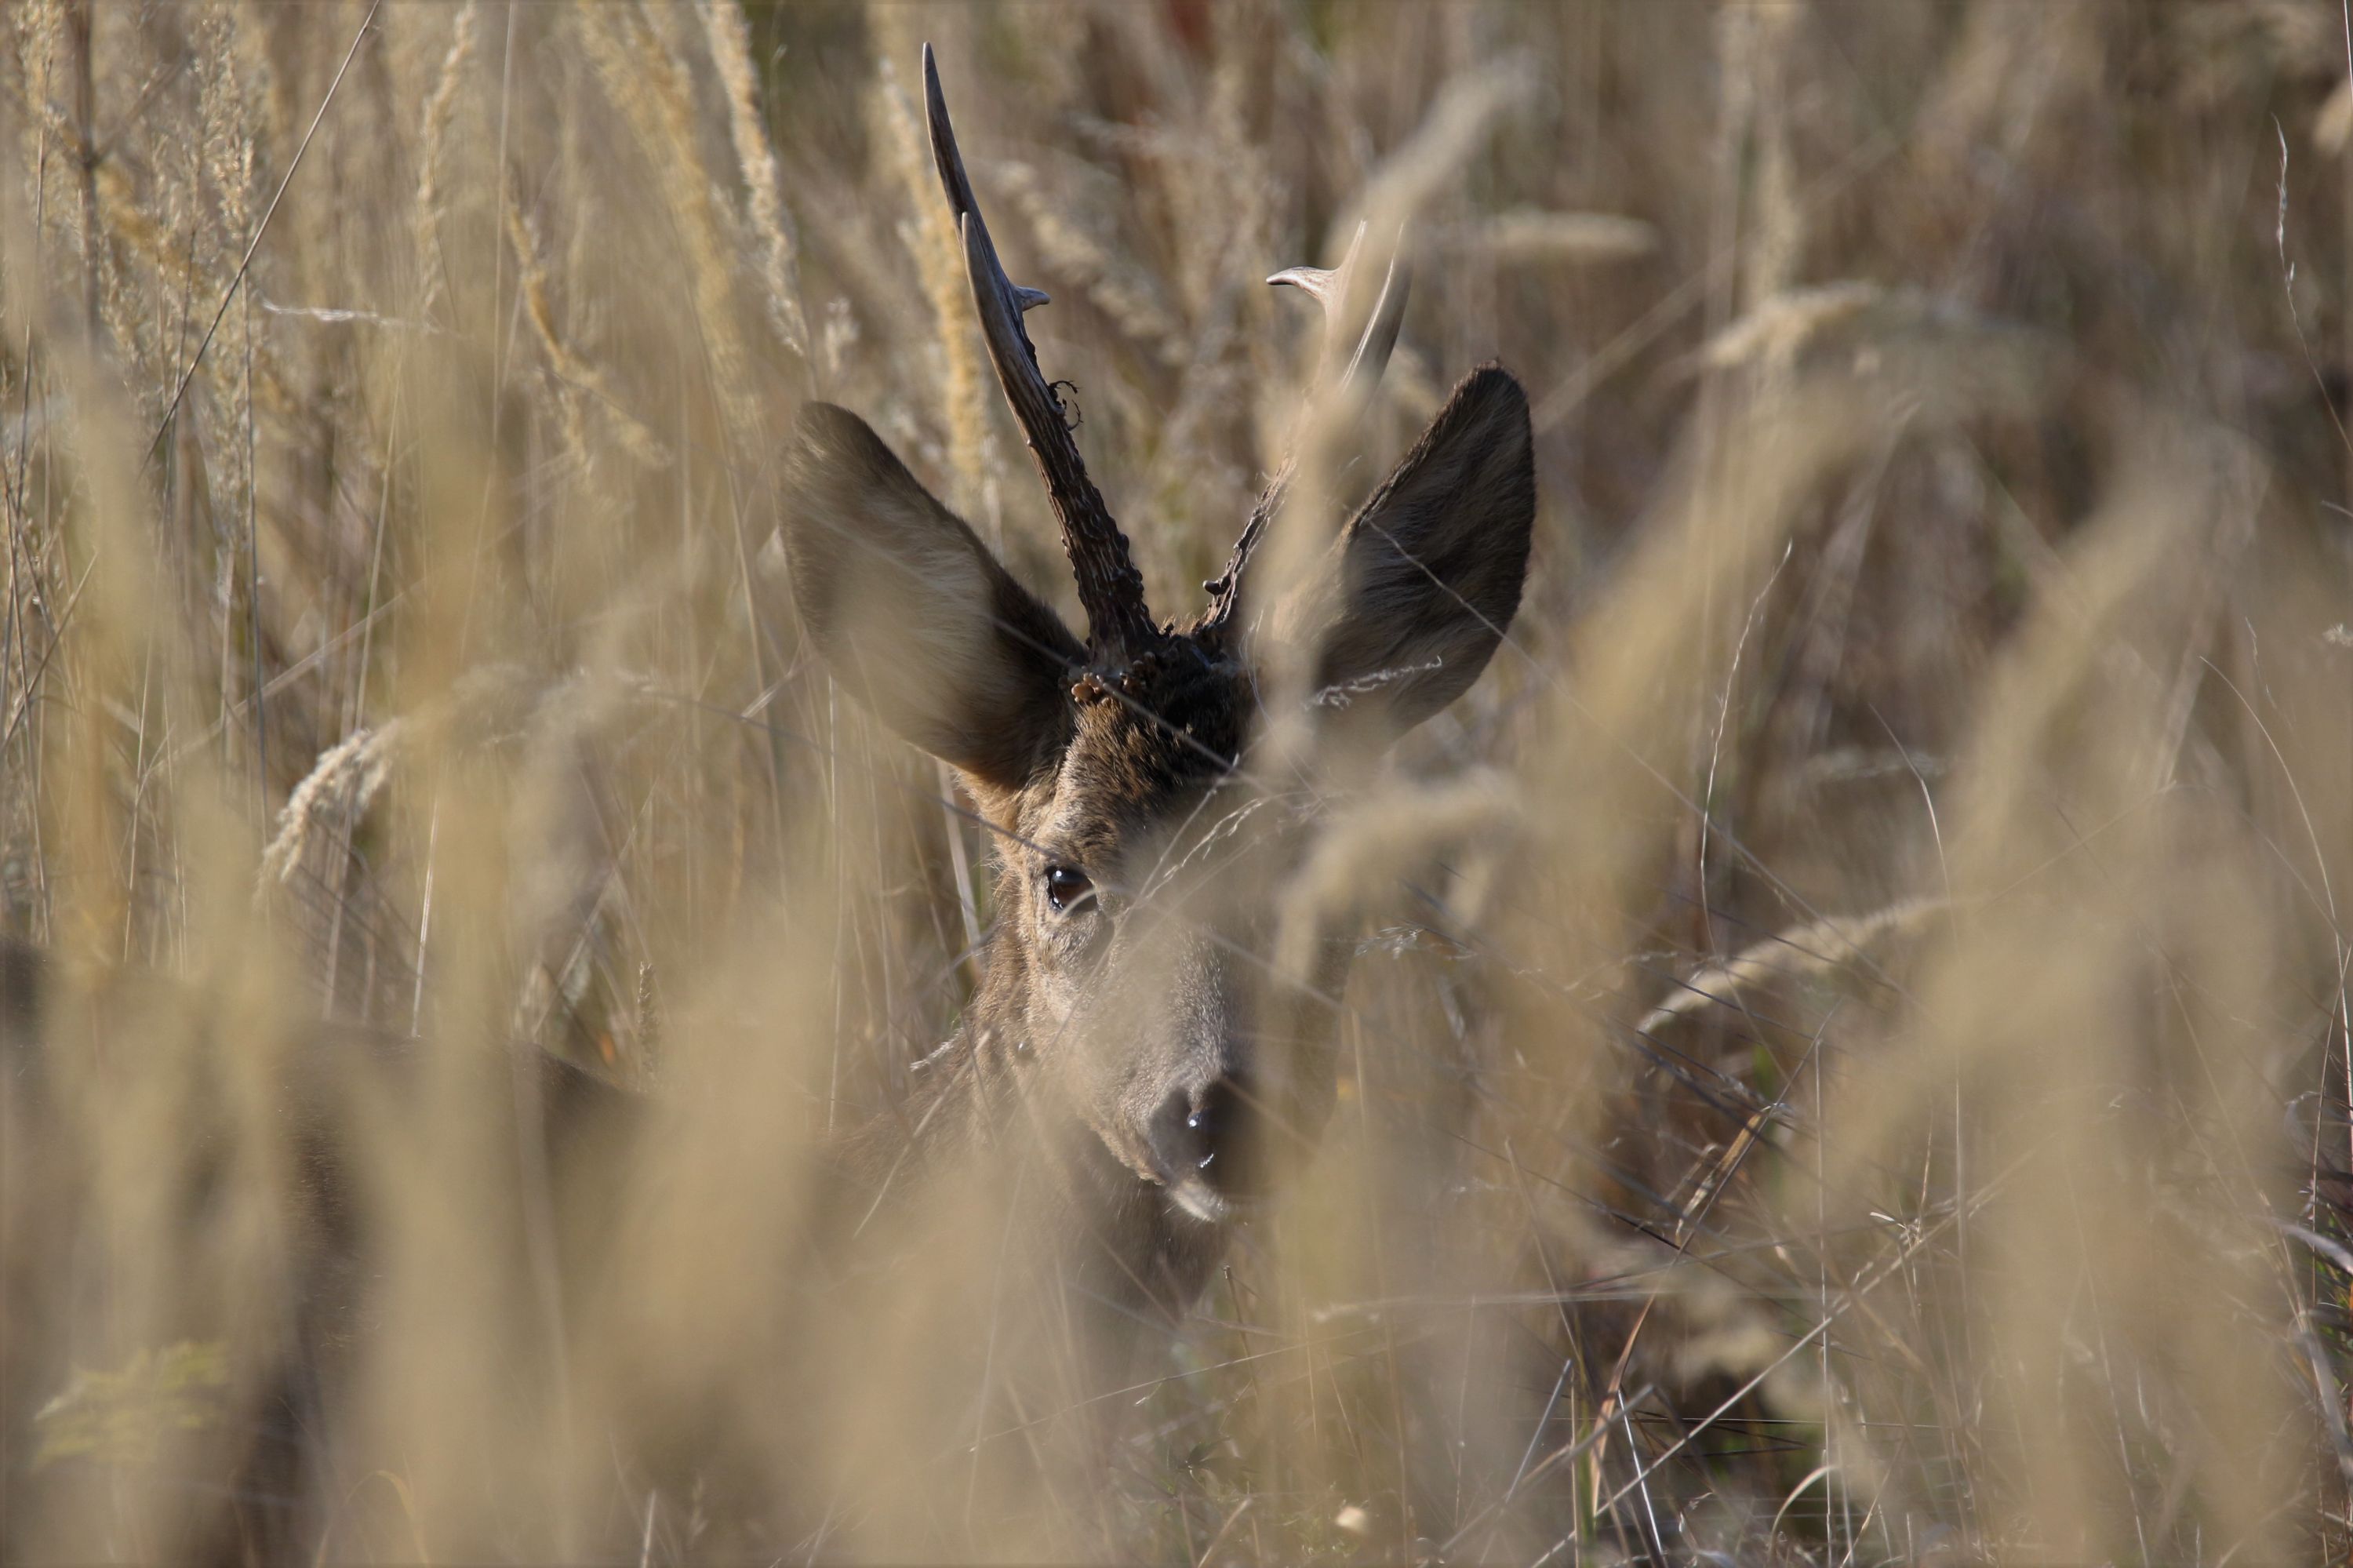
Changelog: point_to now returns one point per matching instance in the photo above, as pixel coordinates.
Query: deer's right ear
(914, 615)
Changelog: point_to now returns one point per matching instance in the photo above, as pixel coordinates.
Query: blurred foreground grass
(1869, 1082)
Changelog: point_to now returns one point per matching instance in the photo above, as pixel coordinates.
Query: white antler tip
(1315, 281)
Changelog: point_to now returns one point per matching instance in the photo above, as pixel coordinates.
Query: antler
(1329, 286)
(1110, 587)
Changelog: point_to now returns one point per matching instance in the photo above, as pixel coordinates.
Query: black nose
(1229, 1145)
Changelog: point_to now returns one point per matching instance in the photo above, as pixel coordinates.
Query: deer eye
(1068, 887)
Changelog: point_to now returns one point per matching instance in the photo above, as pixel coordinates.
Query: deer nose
(1227, 1147)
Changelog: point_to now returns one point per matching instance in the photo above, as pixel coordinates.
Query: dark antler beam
(1110, 587)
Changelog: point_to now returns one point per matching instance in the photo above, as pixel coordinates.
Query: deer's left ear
(1428, 572)
(914, 615)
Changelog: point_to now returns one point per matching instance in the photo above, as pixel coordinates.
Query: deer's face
(1129, 960)
(1141, 854)
(1136, 895)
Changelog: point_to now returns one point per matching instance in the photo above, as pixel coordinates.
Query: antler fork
(1110, 587)
(1119, 625)
(1329, 286)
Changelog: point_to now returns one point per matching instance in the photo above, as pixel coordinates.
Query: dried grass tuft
(731, 52)
(440, 109)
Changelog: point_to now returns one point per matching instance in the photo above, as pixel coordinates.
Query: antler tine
(1329, 287)
(1110, 587)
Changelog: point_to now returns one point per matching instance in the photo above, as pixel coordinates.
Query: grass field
(1848, 1060)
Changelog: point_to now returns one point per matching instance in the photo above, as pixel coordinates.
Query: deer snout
(1227, 1128)
(1214, 1145)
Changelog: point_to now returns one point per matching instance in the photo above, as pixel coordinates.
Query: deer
(1129, 1047)
(1091, 759)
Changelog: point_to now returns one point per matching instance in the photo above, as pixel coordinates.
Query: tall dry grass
(1848, 1060)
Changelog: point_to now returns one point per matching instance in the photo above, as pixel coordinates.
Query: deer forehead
(1142, 753)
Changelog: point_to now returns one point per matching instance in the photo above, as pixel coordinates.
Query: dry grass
(1848, 1061)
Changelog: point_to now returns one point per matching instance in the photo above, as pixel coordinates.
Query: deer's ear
(1427, 574)
(913, 614)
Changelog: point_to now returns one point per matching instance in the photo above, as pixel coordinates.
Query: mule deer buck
(1129, 1045)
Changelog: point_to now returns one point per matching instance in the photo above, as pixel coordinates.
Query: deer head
(1127, 969)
